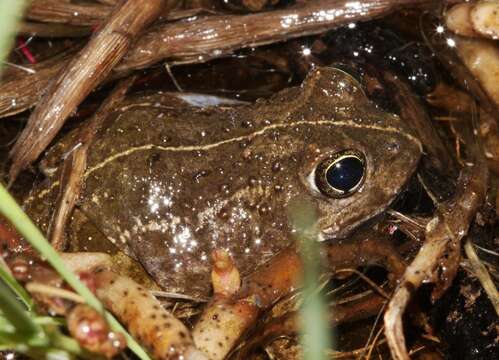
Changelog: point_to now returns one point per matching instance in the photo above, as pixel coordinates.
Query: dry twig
(483, 275)
(439, 256)
(75, 165)
(67, 13)
(82, 75)
(216, 36)
(199, 39)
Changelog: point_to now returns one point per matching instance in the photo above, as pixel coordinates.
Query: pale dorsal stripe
(207, 147)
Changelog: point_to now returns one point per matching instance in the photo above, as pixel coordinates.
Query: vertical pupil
(345, 173)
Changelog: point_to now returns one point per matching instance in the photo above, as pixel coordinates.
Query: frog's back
(177, 182)
(168, 181)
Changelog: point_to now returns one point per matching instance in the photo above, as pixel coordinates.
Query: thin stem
(482, 274)
(16, 314)
(11, 12)
(16, 288)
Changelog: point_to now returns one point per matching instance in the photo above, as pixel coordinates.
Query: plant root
(438, 258)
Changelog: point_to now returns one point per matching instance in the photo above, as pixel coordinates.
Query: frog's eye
(341, 174)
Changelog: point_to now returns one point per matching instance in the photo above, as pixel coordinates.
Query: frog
(169, 180)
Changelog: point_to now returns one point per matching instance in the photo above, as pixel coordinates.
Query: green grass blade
(71, 346)
(10, 14)
(11, 210)
(16, 288)
(315, 331)
(15, 313)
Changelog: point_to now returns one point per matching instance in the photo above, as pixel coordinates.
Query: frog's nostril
(392, 146)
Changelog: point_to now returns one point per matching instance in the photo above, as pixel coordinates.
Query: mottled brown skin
(168, 183)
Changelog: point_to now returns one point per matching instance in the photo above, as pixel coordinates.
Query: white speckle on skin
(95, 199)
(203, 101)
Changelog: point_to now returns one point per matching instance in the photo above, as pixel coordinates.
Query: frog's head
(358, 159)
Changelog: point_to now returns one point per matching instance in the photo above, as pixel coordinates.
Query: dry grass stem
(81, 76)
(53, 30)
(443, 236)
(187, 41)
(371, 283)
(67, 13)
(482, 274)
(54, 292)
(21, 89)
(171, 295)
(75, 165)
(216, 36)
(351, 354)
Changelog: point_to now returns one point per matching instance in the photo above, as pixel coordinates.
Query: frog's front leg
(228, 316)
(225, 319)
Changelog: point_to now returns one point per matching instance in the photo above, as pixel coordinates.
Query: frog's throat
(207, 147)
